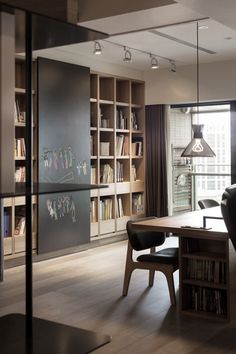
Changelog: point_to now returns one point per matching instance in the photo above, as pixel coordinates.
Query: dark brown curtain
(156, 170)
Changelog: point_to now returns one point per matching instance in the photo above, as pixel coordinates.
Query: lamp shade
(198, 147)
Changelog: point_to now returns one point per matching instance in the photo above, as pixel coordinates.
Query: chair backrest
(228, 209)
(207, 203)
(141, 240)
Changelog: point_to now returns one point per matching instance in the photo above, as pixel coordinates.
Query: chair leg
(128, 273)
(170, 282)
(151, 277)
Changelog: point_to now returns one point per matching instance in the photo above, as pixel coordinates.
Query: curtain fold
(156, 166)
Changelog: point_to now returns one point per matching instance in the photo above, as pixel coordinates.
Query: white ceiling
(133, 31)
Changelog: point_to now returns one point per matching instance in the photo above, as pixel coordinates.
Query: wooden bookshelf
(117, 120)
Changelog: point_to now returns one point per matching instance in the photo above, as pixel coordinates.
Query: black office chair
(165, 260)
(207, 203)
(228, 209)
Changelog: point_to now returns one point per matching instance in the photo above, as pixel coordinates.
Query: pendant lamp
(198, 147)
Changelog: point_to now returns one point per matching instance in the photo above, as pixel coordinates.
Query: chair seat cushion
(167, 256)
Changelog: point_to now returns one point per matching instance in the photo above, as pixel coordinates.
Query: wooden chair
(165, 260)
(207, 203)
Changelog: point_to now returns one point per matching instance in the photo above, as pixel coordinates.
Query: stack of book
(20, 147)
(106, 174)
(119, 171)
(119, 207)
(137, 146)
(20, 174)
(137, 204)
(122, 145)
(105, 209)
(92, 145)
(121, 120)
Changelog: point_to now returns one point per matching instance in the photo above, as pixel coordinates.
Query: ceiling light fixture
(97, 48)
(198, 147)
(128, 56)
(203, 27)
(154, 62)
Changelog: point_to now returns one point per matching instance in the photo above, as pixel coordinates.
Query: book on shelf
(106, 174)
(119, 207)
(137, 204)
(20, 147)
(20, 174)
(93, 213)
(137, 146)
(121, 119)
(122, 145)
(93, 174)
(105, 209)
(119, 171)
(19, 225)
(104, 148)
(134, 120)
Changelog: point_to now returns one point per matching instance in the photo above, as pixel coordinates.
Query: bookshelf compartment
(93, 143)
(106, 88)
(106, 116)
(122, 145)
(204, 300)
(137, 204)
(7, 222)
(137, 123)
(122, 205)
(122, 91)
(106, 172)
(93, 172)
(137, 93)
(106, 208)
(106, 144)
(122, 171)
(7, 246)
(137, 146)
(122, 117)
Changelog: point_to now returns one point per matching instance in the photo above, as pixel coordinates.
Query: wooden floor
(84, 290)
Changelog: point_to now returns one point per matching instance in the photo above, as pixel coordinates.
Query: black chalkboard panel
(64, 156)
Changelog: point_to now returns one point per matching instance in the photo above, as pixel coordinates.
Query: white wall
(217, 82)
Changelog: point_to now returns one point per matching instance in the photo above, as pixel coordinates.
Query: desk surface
(194, 218)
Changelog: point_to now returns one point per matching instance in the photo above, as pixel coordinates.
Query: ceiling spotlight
(154, 62)
(97, 48)
(128, 55)
(172, 66)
